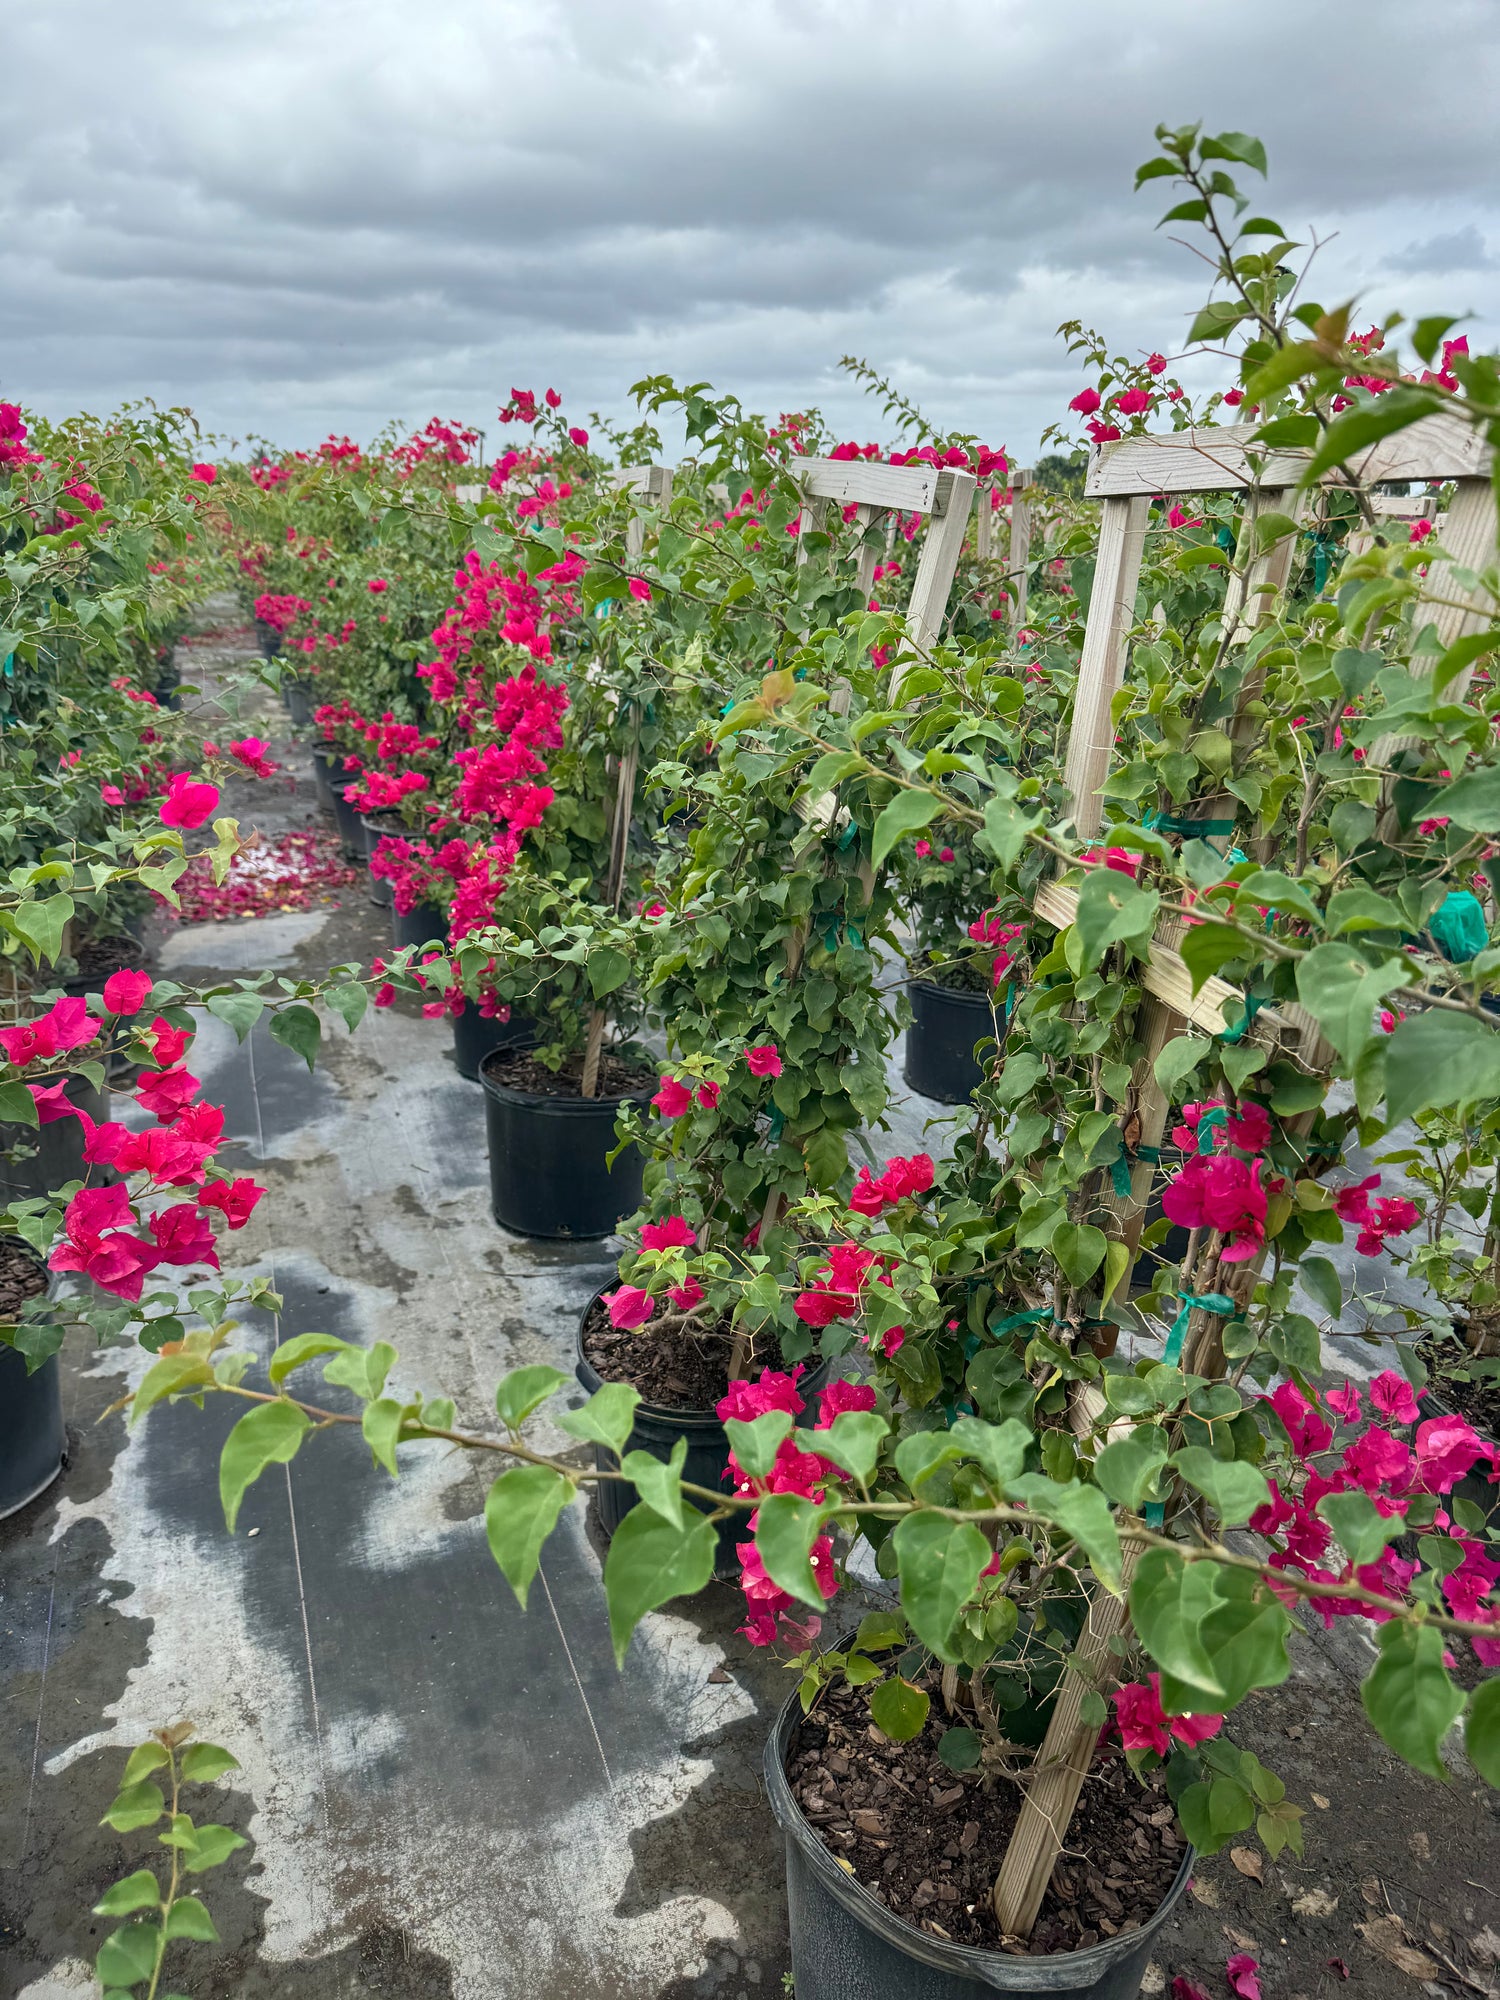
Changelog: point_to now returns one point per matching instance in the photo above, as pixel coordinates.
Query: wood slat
(1101, 665)
(942, 546)
(864, 482)
(1165, 975)
(1205, 459)
(1018, 557)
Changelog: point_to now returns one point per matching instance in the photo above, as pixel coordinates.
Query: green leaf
(301, 1348)
(18, 1106)
(1341, 990)
(212, 1845)
(1206, 947)
(607, 1418)
(520, 1512)
(139, 1891)
(1112, 909)
(1240, 146)
(240, 1010)
(135, 1806)
(1463, 653)
(960, 1749)
(1408, 1696)
(189, 1919)
(267, 1435)
(1482, 1731)
(381, 1425)
(907, 813)
(1127, 1468)
(1362, 910)
(1267, 886)
(362, 1369)
(1180, 1058)
(756, 1444)
(143, 1760)
(1000, 1448)
(1320, 1281)
(203, 1762)
(129, 1956)
(608, 970)
(658, 1483)
(526, 1389)
(1439, 1059)
(899, 1710)
(1472, 801)
(1080, 1511)
(168, 1377)
(349, 1002)
(938, 1562)
(1214, 1632)
(853, 1441)
(298, 1028)
(1362, 1529)
(1233, 1489)
(786, 1528)
(649, 1563)
(1079, 1249)
(41, 925)
(1366, 425)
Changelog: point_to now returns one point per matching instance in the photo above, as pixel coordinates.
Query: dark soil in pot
(32, 1439)
(945, 1025)
(684, 1369)
(681, 1374)
(549, 1145)
(98, 957)
(928, 1842)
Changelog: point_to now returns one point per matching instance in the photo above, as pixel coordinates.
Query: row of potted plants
(649, 760)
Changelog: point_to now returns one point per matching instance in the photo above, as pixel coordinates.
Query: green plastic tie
(777, 1124)
(1253, 1005)
(1208, 1124)
(1165, 822)
(1458, 927)
(848, 837)
(1032, 1318)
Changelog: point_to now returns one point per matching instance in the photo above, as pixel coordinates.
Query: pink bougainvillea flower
(188, 802)
(1345, 1402)
(96, 1241)
(184, 1237)
(672, 1099)
(52, 1102)
(1241, 1970)
(686, 1295)
(640, 590)
(580, 438)
(66, 1025)
(1307, 1432)
(251, 752)
(764, 1060)
(1394, 1397)
(900, 1179)
(235, 1200)
(1132, 402)
(1086, 402)
(1234, 397)
(112, 795)
(629, 1307)
(376, 585)
(1156, 363)
(775, 1389)
(205, 474)
(674, 1233)
(1223, 1193)
(922, 849)
(126, 991)
(1145, 1726)
(1446, 1448)
(166, 1092)
(169, 1044)
(707, 1095)
(945, 854)
(840, 1395)
(1248, 1127)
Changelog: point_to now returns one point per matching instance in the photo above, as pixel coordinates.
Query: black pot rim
(954, 993)
(666, 1413)
(1066, 1971)
(554, 1107)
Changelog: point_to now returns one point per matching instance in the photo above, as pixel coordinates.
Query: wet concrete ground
(446, 1797)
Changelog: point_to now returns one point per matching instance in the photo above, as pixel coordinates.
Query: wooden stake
(592, 1050)
(1018, 556)
(1061, 1766)
(1101, 666)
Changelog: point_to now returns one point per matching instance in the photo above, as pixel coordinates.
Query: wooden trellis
(1126, 476)
(1018, 547)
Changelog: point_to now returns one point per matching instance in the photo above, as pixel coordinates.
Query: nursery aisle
(411, 1742)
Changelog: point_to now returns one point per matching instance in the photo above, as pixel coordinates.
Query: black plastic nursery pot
(549, 1175)
(375, 827)
(475, 1036)
(323, 779)
(350, 826)
(55, 1151)
(848, 1946)
(298, 703)
(945, 1025)
(425, 923)
(33, 1443)
(657, 1429)
(267, 638)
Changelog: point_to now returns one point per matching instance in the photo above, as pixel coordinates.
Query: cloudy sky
(309, 215)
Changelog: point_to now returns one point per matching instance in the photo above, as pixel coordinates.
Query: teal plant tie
(1119, 1175)
(1458, 927)
(1208, 1124)
(1032, 1318)
(855, 936)
(1165, 822)
(1253, 1005)
(848, 837)
(777, 1123)
(603, 608)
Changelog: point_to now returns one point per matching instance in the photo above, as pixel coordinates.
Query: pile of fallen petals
(300, 870)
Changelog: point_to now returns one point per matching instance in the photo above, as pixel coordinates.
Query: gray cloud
(303, 215)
